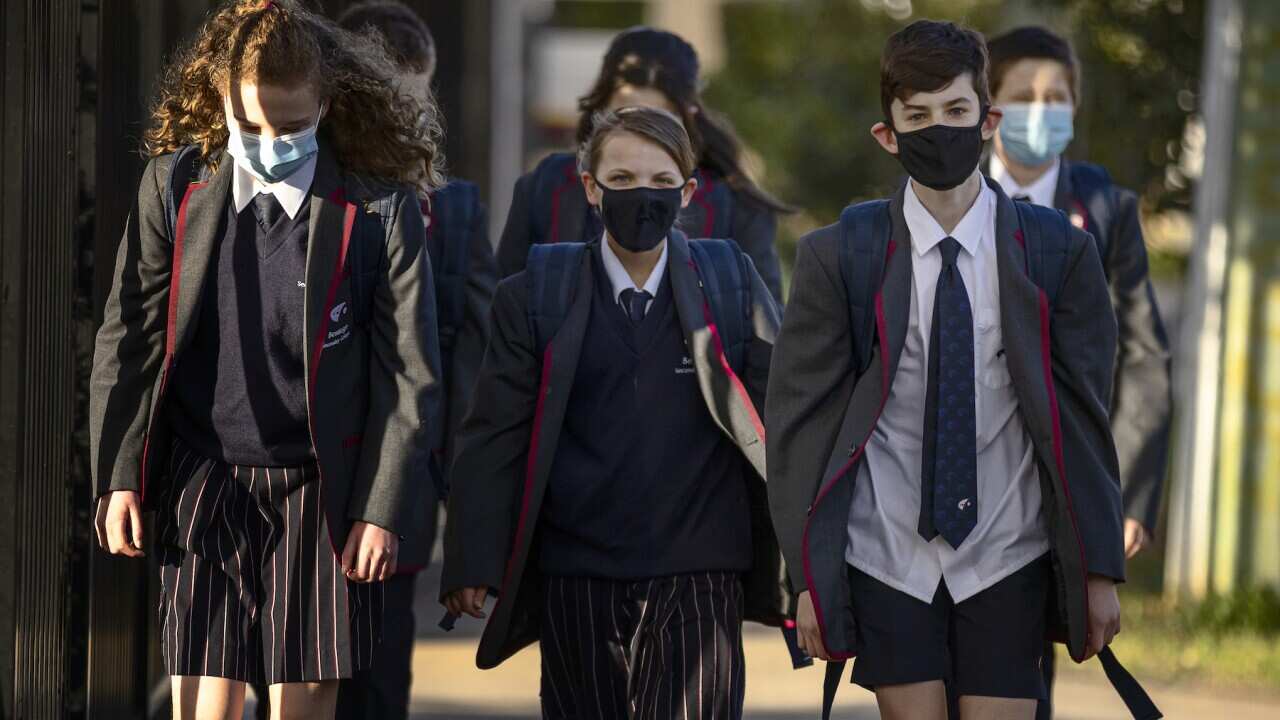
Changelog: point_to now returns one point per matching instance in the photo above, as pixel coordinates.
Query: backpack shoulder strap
(1093, 190)
(1046, 233)
(183, 170)
(865, 231)
(552, 275)
(453, 210)
(726, 284)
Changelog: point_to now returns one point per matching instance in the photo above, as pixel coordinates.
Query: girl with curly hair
(266, 374)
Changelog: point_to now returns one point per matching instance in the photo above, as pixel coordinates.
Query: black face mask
(941, 156)
(639, 218)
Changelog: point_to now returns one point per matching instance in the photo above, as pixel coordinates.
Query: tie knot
(1022, 197)
(268, 209)
(950, 250)
(635, 302)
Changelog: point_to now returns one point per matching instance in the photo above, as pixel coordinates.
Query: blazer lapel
(1020, 323)
(894, 300)
(727, 401)
(200, 218)
(327, 239)
(560, 365)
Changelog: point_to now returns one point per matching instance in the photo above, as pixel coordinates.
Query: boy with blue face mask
(1034, 78)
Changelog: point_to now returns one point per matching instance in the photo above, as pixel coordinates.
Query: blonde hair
(374, 129)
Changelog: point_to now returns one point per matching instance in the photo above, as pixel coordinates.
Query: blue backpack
(865, 232)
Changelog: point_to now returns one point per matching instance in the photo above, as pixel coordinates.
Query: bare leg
(976, 707)
(207, 698)
(304, 701)
(913, 701)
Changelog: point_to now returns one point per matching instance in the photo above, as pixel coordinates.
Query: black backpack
(865, 231)
(552, 274)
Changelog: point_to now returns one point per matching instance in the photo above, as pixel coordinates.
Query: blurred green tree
(801, 84)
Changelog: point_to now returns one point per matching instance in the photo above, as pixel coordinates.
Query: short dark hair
(657, 126)
(406, 35)
(927, 56)
(1032, 42)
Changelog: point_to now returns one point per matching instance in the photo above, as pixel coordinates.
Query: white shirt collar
(926, 232)
(621, 280)
(1041, 190)
(290, 192)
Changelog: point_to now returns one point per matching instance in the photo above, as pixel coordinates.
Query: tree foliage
(801, 84)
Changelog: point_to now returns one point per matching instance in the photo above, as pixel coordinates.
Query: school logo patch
(686, 366)
(336, 313)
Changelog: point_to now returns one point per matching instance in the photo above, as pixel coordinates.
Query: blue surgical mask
(271, 160)
(1035, 133)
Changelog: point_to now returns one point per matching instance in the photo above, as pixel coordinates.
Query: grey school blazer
(1142, 399)
(820, 413)
(508, 441)
(369, 385)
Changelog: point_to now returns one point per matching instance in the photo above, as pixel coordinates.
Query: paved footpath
(449, 687)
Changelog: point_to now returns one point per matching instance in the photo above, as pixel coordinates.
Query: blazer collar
(1064, 196)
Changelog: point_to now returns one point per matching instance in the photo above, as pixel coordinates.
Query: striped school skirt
(251, 588)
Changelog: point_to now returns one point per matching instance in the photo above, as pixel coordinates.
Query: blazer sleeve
(517, 234)
(404, 379)
(755, 227)
(1083, 351)
(489, 463)
(129, 350)
(1141, 404)
(810, 382)
(473, 336)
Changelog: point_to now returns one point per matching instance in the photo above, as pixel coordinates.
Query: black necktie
(1022, 197)
(949, 467)
(268, 210)
(635, 301)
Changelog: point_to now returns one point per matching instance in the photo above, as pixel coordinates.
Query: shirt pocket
(993, 365)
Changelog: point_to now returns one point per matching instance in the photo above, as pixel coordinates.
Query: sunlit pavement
(448, 685)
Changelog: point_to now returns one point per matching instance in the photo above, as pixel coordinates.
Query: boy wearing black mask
(941, 473)
(608, 485)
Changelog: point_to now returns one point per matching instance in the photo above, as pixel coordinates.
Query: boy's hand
(467, 600)
(1135, 537)
(118, 523)
(808, 634)
(1104, 614)
(370, 553)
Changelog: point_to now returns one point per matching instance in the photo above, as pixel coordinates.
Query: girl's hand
(118, 523)
(467, 600)
(370, 554)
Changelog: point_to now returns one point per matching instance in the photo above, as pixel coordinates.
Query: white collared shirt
(883, 517)
(621, 279)
(1041, 190)
(290, 192)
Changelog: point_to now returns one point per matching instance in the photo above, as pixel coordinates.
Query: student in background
(267, 368)
(608, 481)
(457, 240)
(650, 68)
(927, 409)
(1035, 79)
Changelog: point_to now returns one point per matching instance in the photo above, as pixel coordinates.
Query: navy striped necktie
(949, 466)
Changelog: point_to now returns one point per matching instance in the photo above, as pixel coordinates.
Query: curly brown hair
(375, 129)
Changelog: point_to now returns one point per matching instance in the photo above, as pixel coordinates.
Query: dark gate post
(39, 203)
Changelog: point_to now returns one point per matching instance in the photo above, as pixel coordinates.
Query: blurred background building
(1179, 102)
